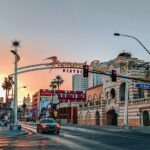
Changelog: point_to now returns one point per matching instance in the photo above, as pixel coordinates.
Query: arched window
(95, 97)
(122, 91)
(146, 120)
(97, 118)
(113, 93)
(107, 93)
(89, 98)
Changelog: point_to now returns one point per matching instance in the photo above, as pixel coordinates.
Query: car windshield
(48, 121)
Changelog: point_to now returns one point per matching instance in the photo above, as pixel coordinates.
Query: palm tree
(53, 85)
(7, 85)
(58, 80)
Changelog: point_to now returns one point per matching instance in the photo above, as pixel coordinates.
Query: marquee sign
(93, 66)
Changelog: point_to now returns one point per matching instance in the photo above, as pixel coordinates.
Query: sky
(72, 30)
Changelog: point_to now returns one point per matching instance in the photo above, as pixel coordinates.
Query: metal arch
(90, 71)
(35, 65)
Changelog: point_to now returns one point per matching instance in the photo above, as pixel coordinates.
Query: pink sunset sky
(72, 30)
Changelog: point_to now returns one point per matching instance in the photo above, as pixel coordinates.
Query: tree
(53, 85)
(58, 80)
(7, 85)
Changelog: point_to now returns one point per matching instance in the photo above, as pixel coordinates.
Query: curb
(16, 135)
(22, 134)
(131, 132)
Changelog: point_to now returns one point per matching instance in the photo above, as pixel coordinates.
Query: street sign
(142, 85)
(55, 113)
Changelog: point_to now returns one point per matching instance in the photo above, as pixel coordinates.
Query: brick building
(64, 102)
(112, 108)
(92, 112)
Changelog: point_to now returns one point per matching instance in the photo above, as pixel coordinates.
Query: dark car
(48, 125)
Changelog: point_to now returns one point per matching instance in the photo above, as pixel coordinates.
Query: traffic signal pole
(125, 77)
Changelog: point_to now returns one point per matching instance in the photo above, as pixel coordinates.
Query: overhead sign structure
(142, 86)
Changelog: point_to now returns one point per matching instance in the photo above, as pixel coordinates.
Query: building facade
(96, 79)
(79, 83)
(92, 111)
(27, 109)
(65, 103)
(133, 90)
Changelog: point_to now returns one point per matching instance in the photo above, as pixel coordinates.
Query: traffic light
(85, 70)
(113, 75)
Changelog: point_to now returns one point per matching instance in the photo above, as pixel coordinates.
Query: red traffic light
(113, 75)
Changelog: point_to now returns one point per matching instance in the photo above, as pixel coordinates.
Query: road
(76, 139)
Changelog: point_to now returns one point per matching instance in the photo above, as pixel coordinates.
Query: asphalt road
(77, 140)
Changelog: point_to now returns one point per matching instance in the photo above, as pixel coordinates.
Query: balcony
(139, 101)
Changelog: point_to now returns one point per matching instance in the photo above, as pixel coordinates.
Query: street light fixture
(22, 87)
(118, 34)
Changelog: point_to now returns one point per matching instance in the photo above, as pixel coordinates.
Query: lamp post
(126, 125)
(118, 34)
(13, 99)
(15, 44)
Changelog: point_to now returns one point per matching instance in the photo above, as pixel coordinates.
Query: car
(48, 125)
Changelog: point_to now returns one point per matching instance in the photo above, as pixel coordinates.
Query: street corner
(6, 132)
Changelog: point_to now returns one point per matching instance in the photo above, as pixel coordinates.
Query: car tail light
(58, 126)
(43, 126)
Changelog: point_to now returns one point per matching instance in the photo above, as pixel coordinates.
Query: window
(148, 92)
(107, 96)
(48, 121)
(113, 93)
(141, 93)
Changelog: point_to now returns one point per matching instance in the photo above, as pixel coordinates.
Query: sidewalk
(6, 132)
(142, 130)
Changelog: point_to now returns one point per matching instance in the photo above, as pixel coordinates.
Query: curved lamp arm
(118, 34)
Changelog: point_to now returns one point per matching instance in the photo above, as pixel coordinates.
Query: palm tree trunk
(7, 97)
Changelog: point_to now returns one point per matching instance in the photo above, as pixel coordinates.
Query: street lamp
(118, 34)
(13, 99)
(126, 125)
(15, 44)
